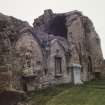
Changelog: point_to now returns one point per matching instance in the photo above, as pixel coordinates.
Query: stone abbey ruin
(59, 48)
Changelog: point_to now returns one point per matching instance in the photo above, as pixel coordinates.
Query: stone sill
(58, 75)
(29, 76)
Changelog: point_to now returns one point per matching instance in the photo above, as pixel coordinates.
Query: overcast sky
(30, 9)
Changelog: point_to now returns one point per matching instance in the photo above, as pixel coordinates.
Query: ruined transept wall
(42, 55)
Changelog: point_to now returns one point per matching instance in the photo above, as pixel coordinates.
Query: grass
(91, 93)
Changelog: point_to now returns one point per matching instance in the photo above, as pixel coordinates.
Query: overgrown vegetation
(91, 93)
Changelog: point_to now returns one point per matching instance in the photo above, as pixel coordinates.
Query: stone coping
(75, 65)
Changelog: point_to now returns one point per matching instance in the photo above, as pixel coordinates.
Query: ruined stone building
(59, 48)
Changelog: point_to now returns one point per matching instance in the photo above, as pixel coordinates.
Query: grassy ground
(92, 93)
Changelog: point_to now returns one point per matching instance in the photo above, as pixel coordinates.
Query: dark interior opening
(25, 87)
(97, 75)
(90, 64)
(57, 26)
(58, 65)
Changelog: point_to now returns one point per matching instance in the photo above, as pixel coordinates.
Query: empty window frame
(58, 65)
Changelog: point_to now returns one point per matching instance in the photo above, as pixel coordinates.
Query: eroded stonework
(46, 54)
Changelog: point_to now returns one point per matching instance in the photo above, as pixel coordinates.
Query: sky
(28, 10)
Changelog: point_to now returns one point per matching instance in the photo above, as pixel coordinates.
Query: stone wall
(30, 58)
(58, 51)
(42, 55)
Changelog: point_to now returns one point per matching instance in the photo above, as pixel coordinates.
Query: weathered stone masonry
(59, 48)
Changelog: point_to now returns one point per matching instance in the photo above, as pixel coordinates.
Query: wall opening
(57, 26)
(58, 65)
(89, 64)
(97, 75)
(24, 86)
